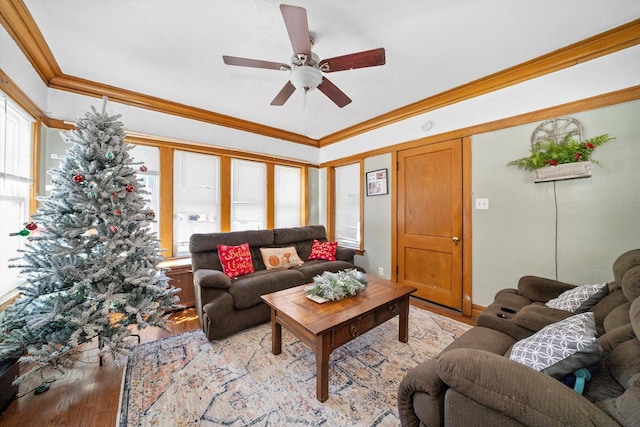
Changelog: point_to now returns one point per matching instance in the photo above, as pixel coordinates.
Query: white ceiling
(172, 49)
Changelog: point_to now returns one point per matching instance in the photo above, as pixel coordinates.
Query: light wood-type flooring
(88, 394)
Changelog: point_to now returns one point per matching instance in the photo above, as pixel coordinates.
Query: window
(15, 182)
(287, 197)
(149, 173)
(347, 205)
(248, 195)
(196, 197)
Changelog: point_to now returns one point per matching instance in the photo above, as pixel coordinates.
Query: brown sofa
(226, 306)
(474, 383)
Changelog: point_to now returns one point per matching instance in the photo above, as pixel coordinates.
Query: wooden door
(429, 224)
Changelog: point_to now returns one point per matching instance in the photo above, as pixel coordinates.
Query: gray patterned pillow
(580, 298)
(560, 348)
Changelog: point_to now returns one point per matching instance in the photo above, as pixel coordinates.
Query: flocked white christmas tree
(91, 262)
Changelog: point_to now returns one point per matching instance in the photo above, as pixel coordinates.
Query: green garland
(550, 153)
(336, 286)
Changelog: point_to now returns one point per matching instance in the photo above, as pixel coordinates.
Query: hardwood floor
(88, 394)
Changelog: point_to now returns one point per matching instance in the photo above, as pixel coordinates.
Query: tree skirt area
(185, 380)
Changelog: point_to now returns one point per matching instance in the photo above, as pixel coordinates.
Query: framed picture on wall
(377, 182)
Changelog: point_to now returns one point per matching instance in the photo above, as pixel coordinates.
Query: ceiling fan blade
(368, 58)
(295, 19)
(284, 94)
(333, 93)
(255, 63)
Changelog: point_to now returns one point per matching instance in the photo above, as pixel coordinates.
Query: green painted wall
(598, 217)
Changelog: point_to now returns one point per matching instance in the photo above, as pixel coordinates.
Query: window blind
(15, 135)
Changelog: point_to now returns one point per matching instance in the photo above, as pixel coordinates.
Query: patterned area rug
(185, 380)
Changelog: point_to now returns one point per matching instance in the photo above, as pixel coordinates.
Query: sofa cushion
(280, 257)
(606, 305)
(481, 338)
(560, 348)
(204, 247)
(246, 290)
(323, 250)
(580, 298)
(236, 260)
(286, 236)
(631, 283)
(311, 269)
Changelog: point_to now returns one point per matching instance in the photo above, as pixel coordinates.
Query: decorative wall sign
(377, 182)
(558, 151)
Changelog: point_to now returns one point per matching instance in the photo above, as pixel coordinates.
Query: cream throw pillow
(280, 257)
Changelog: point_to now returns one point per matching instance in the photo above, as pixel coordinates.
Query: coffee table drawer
(353, 329)
(387, 312)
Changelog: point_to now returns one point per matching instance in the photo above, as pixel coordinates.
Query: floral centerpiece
(335, 286)
(551, 153)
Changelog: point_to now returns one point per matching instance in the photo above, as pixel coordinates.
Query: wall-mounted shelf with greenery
(548, 158)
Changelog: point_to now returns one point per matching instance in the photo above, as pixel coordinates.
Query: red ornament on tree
(114, 229)
(129, 188)
(143, 168)
(31, 226)
(78, 179)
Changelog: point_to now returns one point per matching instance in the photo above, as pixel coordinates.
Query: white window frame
(16, 147)
(197, 219)
(246, 194)
(347, 228)
(287, 196)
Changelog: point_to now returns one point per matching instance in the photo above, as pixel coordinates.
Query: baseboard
(476, 310)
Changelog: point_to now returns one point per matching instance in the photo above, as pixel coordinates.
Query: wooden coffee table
(325, 327)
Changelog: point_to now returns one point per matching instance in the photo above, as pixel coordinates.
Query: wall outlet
(380, 271)
(482, 203)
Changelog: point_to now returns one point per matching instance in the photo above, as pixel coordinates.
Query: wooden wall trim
(363, 189)
(599, 45)
(136, 99)
(36, 147)
(270, 195)
(467, 242)
(165, 226)
(156, 141)
(394, 216)
(20, 24)
(225, 193)
(15, 17)
(10, 88)
(599, 101)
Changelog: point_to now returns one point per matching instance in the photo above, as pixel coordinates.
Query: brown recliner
(474, 383)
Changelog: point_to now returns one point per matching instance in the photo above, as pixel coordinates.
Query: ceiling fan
(305, 71)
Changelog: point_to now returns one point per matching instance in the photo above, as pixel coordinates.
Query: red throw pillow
(235, 260)
(323, 250)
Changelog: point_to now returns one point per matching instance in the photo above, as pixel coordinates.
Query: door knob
(455, 239)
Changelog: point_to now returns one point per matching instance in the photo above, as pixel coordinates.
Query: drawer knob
(393, 307)
(353, 330)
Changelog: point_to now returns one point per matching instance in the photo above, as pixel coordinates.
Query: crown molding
(123, 96)
(15, 17)
(599, 45)
(10, 88)
(599, 101)
(19, 23)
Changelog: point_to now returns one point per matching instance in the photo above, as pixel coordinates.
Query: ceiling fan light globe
(305, 77)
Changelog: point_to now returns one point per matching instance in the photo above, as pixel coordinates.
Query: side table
(182, 277)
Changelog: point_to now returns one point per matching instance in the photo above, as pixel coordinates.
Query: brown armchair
(473, 381)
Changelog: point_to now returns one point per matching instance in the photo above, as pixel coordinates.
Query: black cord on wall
(555, 199)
